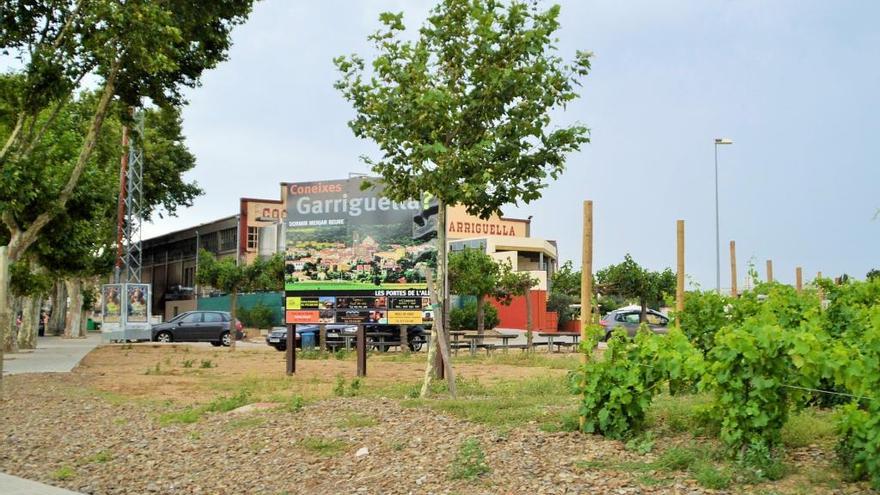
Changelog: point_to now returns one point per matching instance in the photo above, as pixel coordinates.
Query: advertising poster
(111, 303)
(138, 302)
(353, 255)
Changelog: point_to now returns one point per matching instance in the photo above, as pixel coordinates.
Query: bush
(702, 317)
(258, 316)
(466, 318)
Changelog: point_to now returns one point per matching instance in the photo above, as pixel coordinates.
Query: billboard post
(125, 311)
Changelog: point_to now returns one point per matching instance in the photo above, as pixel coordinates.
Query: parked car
(628, 318)
(198, 326)
(277, 337)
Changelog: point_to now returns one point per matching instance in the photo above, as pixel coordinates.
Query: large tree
(472, 272)
(629, 280)
(129, 51)
(462, 111)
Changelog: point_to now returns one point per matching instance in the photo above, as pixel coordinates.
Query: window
(189, 275)
(631, 318)
(656, 320)
(227, 239)
(253, 241)
(192, 318)
(213, 317)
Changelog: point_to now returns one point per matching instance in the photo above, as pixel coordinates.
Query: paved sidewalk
(13, 485)
(52, 355)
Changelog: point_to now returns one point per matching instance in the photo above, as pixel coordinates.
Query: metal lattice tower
(134, 204)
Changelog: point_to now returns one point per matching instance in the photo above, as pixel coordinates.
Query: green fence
(272, 300)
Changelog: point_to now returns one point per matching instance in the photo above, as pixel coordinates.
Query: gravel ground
(118, 447)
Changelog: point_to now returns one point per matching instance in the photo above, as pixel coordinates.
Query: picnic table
(551, 336)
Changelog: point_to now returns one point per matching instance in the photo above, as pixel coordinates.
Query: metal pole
(717, 230)
(196, 273)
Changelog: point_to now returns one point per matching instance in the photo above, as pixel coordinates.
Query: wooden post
(404, 329)
(679, 282)
(798, 279)
(587, 275)
(733, 291)
(769, 270)
(291, 350)
(322, 338)
(361, 351)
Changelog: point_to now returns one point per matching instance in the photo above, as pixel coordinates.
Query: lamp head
(723, 141)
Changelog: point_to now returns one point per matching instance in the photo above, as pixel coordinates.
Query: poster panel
(138, 297)
(351, 253)
(111, 303)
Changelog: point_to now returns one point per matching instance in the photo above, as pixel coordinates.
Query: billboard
(355, 256)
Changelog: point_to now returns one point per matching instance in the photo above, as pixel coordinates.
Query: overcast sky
(793, 83)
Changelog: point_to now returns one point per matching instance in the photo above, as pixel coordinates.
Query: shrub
(702, 317)
(749, 371)
(465, 318)
(257, 316)
(618, 389)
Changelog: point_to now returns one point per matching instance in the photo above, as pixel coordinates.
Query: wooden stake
(769, 270)
(679, 282)
(291, 350)
(587, 275)
(361, 350)
(733, 291)
(322, 338)
(799, 280)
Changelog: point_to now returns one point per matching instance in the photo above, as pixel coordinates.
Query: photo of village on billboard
(355, 256)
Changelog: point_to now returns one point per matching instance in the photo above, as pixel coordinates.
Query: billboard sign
(355, 256)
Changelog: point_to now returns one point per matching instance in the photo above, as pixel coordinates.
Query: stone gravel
(50, 421)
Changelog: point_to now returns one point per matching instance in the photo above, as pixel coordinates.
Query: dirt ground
(160, 371)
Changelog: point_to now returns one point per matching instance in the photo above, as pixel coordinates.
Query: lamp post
(717, 232)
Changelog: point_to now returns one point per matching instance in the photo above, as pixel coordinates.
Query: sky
(792, 82)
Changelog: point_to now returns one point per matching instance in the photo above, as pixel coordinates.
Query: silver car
(628, 318)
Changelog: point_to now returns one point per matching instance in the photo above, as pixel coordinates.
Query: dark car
(277, 337)
(628, 318)
(198, 326)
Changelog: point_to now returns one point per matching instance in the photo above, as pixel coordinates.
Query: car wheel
(416, 345)
(215, 343)
(164, 337)
(225, 339)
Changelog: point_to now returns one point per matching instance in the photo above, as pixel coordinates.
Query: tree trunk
(4, 304)
(440, 296)
(233, 332)
(30, 322)
(529, 336)
(59, 309)
(481, 324)
(643, 315)
(73, 325)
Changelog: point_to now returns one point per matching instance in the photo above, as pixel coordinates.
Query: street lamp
(717, 234)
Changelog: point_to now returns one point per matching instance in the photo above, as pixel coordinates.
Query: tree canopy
(630, 280)
(473, 272)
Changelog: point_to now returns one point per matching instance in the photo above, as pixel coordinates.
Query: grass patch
(681, 414)
(709, 476)
(245, 423)
(343, 389)
(358, 421)
(509, 403)
(325, 447)
(469, 462)
(207, 363)
(808, 427)
(294, 404)
(193, 414)
(185, 416)
(101, 457)
(63, 473)
(678, 459)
